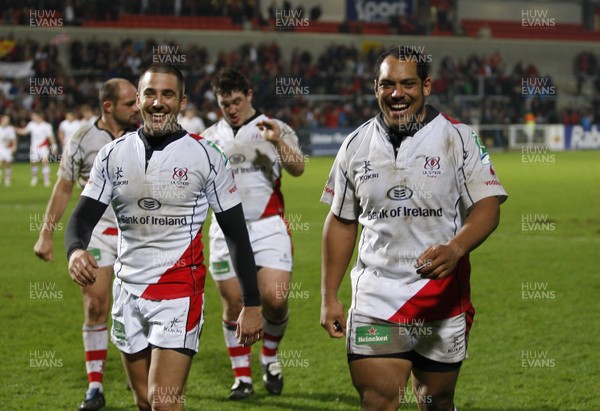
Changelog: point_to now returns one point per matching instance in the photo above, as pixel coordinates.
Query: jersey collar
(257, 113)
(396, 137)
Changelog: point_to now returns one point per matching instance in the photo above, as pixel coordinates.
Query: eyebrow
(167, 90)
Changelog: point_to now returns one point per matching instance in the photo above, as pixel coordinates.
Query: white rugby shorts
(138, 322)
(443, 340)
(103, 245)
(270, 240)
(6, 155)
(37, 154)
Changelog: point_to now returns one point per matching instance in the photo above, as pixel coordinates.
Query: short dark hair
(405, 53)
(229, 80)
(167, 69)
(110, 90)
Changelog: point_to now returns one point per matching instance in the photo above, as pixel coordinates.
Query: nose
(398, 91)
(157, 102)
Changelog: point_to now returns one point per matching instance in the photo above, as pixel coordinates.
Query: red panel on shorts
(195, 312)
(440, 299)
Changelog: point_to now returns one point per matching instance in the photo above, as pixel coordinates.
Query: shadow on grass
(322, 401)
(532, 408)
(310, 402)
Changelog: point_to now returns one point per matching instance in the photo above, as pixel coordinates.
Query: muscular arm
(339, 238)
(482, 220)
(55, 209)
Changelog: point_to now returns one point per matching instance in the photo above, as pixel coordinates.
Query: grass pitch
(535, 287)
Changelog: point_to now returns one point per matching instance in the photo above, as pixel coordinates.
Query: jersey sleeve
(479, 177)
(289, 135)
(221, 190)
(339, 191)
(99, 186)
(70, 162)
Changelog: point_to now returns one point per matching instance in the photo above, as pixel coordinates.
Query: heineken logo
(220, 267)
(118, 330)
(373, 334)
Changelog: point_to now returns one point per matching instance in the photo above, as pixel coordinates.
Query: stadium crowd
(332, 89)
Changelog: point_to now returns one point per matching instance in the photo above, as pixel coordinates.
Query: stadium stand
(479, 87)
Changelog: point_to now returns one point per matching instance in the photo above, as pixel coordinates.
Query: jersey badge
(483, 153)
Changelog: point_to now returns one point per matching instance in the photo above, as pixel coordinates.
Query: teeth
(399, 106)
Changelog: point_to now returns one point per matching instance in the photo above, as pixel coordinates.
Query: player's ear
(183, 103)
(375, 86)
(106, 106)
(427, 86)
(138, 103)
(249, 94)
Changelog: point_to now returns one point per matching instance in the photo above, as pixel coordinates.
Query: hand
(438, 261)
(332, 317)
(270, 131)
(44, 248)
(54, 149)
(82, 267)
(249, 326)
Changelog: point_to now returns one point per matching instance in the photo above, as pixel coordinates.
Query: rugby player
(117, 99)
(161, 181)
(42, 136)
(423, 189)
(258, 149)
(8, 146)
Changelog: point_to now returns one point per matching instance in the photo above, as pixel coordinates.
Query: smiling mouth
(399, 109)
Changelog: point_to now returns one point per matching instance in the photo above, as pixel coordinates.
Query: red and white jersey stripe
(161, 204)
(407, 203)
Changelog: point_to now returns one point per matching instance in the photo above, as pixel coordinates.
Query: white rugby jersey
(39, 133)
(77, 161)
(7, 137)
(161, 204)
(407, 203)
(255, 164)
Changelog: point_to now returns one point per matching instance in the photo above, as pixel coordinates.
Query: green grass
(561, 256)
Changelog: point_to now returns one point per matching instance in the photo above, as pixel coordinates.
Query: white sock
(46, 172)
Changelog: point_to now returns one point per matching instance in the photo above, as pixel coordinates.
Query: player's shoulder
(210, 147)
(125, 142)
(452, 123)
(215, 129)
(82, 132)
(209, 131)
(363, 132)
(131, 137)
